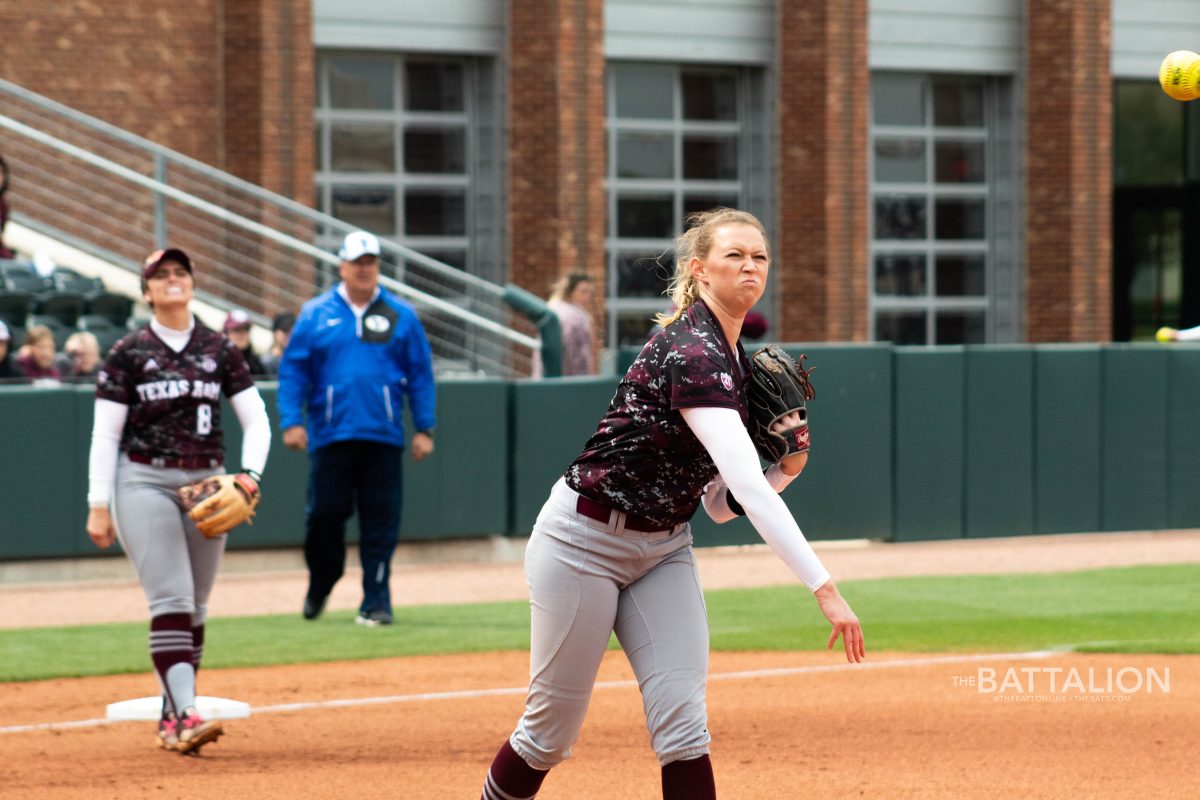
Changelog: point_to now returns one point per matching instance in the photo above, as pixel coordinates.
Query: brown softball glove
(778, 387)
(220, 503)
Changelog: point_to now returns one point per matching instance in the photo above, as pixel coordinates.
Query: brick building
(962, 172)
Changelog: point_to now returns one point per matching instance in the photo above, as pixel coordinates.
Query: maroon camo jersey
(644, 459)
(174, 398)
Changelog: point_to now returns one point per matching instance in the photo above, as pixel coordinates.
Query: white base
(150, 708)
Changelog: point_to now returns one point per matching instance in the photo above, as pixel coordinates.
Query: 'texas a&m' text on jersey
(174, 398)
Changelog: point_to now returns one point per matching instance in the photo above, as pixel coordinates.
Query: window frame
(400, 181)
(744, 127)
(990, 132)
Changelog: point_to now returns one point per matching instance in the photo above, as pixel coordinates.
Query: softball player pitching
(612, 548)
(158, 428)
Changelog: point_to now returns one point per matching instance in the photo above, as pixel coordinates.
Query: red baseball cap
(237, 319)
(755, 325)
(156, 259)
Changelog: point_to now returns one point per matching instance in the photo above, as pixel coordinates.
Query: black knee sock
(511, 777)
(170, 645)
(690, 779)
(197, 645)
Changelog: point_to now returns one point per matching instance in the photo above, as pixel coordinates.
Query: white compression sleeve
(721, 432)
(107, 428)
(716, 494)
(256, 428)
(1188, 334)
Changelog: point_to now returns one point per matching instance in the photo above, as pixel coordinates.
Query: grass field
(1133, 610)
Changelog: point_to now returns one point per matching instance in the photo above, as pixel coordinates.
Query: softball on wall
(1179, 75)
(1165, 335)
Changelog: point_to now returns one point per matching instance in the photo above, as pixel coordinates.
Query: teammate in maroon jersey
(611, 550)
(157, 428)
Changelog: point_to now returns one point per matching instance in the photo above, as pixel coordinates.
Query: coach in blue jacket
(356, 351)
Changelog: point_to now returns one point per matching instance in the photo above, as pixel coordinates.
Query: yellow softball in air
(1179, 75)
(1165, 334)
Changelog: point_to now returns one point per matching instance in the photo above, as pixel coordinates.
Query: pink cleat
(195, 732)
(168, 732)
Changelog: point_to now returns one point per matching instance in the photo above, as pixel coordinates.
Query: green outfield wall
(1068, 438)
(908, 444)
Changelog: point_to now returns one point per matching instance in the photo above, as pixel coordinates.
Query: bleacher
(262, 252)
(64, 302)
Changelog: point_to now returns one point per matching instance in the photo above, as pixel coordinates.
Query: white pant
(588, 579)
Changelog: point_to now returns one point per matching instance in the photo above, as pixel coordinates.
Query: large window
(1156, 244)
(942, 214)
(399, 151)
(678, 141)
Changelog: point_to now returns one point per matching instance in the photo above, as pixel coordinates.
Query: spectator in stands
(4, 251)
(237, 328)
(37, 363)
(8, 370)
(80, 358)
(570, 299)
(281, 329)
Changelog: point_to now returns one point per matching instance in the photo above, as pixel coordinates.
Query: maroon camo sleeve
(699, 376)
(236, 375)
(115, 380)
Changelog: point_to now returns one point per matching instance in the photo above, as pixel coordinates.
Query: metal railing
(116, 196)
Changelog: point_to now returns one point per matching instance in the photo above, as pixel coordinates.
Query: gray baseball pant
(588, 579)
(175, 563)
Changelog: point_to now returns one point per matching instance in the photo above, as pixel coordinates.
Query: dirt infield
(891, 730)
(785, 725)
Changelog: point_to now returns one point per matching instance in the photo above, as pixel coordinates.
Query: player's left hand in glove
(220, 503)
(778, 387)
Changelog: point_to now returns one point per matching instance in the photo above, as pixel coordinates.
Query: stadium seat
(21, 277)
(116, 307)
(100, 326)
(67, 307)
(60, 331)
(14, 308)
(68, 280)
(6, 263)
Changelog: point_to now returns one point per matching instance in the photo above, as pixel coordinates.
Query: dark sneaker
(373, 618)
(313, 608)
(195, 732)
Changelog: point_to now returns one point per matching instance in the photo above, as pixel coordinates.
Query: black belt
(602, 513)
(195, 462)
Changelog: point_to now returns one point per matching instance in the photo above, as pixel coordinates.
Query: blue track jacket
(350, 377)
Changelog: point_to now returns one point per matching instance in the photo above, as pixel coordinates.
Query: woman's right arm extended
(721, 432)
(102, 469)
